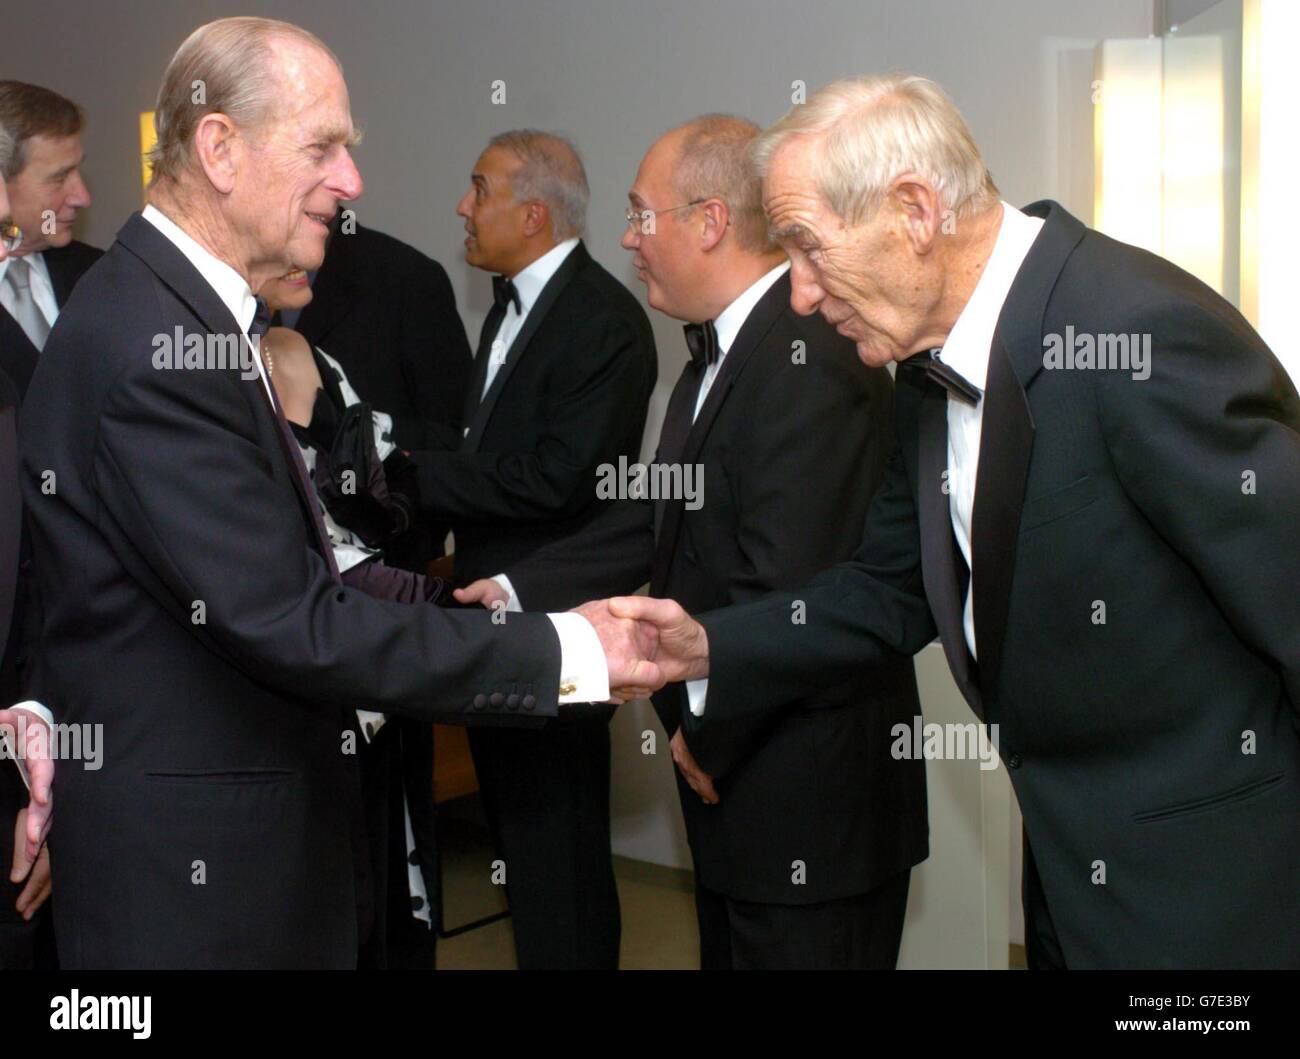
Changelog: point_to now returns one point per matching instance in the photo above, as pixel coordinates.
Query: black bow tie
(934, 369)
(702, 341)
(503, 291)
(261, 321)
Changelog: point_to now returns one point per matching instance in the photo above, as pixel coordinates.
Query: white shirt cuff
(513, 606)
(584, 675)
(695, 692)
(36, 709)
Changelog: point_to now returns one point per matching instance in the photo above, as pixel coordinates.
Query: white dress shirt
(42, 287)
(966, 351)
(579, 645)
(529, 284)
(727, 326)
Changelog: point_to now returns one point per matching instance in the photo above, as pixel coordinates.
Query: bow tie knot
(702, 341)
(261, 321)
(936, 371)
(504, 291)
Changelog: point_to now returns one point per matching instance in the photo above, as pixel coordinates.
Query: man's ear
(716, 220)
(537, 218)
(215, 144)
(919, 210)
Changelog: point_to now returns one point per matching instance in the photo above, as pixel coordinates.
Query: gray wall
(614, 74)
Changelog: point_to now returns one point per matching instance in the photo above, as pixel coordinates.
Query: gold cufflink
(568, 689)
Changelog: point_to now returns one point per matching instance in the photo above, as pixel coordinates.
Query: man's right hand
(683, 645)
(629, 647)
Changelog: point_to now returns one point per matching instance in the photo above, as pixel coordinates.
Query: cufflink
(568, 689)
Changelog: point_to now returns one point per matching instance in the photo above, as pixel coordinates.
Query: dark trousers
(546, 793)
(1042, 947)
(862, 932)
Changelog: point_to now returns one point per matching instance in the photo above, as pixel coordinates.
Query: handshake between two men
(647, 642)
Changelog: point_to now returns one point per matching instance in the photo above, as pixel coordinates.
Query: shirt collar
(966, 349)
(229, 285)
(530, 281)
(733, 317)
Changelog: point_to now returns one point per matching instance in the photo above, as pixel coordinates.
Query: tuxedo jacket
(791, 447)
(191, 609)
(1135, 606)
(387, 313)
(572, 395)
(66, 265)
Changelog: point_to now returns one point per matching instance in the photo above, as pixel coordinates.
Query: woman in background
(365, 483)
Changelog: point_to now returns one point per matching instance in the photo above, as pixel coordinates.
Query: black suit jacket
(571, 395)
(791, 452)
(66, 265)
(1153, 747)
(190, 610)
(387, 313)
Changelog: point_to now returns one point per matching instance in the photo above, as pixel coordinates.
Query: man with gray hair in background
(1103, 535)
(192, 606)
(561, 384)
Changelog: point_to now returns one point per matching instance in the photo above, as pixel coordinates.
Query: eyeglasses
(10, 235)
(643, 220)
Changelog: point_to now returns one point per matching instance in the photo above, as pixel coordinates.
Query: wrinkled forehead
(312, 95)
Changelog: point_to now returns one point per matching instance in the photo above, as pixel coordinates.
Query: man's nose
(463, 206)
(631, 237)
(78, 193)
(346, 181)
(805, 292)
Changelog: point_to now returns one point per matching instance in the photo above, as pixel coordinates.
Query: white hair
(6, 149)
(871, 130)
(550, 172)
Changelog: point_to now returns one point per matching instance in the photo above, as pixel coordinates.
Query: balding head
(698, 235)
(712, 161)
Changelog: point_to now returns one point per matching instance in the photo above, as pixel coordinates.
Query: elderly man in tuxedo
(1093, 502)
(194, 609)
(25, 937)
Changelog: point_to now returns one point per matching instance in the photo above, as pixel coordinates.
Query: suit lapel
(173, 268)
(61, 266)
(1007, 434)
(578, 258)
(938, 545)
(762, 317)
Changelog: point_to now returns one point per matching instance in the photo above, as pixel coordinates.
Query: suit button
(496, 698)
(529, 701)
(480, 701)
(1013, 761)
(512, 702)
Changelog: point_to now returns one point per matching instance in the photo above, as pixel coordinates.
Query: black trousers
(862, 932)
(546, 792)
(1042, 946)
